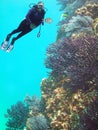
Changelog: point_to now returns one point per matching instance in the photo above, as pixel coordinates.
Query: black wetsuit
(34, 16)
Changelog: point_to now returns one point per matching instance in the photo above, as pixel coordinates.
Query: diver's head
(40, 5)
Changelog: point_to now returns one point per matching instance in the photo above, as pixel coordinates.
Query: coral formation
(76, 58)
(90, 9)
(84, 20)
(38, 122)
(33, 103)
(78, 24)
(95, 26)
(67, 110)
(70, 93)
(17, 116)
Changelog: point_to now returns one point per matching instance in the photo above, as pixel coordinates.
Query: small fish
(48, 20)
(63, 16)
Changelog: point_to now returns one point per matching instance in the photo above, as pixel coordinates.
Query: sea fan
(33, 103)
(38, 122)
(77, 24)
(17, 116)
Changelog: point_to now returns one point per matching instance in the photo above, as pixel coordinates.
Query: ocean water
(22, 70)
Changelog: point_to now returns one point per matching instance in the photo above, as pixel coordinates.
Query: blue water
(22, 70)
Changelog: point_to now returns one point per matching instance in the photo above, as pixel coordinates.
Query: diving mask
(41, 5)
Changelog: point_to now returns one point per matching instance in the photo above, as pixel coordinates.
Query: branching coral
(90, 118)
(91, 9)
(67, 111)
(76, 58)
(52, 82)
(17, 116)
(95, 26)
(58, 55)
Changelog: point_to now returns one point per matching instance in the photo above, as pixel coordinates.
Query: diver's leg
(13, 32)
(15, 38)
(5, 43)
(17, 30)
(10, 34)
(19, 36)
(25, 29)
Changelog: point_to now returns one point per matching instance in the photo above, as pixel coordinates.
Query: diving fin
(4, 45)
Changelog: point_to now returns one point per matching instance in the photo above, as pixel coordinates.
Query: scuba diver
(34, 18)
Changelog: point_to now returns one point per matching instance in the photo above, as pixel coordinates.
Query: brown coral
(65, 108)
(95, 26)
(90, 9)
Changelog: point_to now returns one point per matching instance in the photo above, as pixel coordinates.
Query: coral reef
(17, 116)
(70, 93)
(33, 103)
(74, 57)
(79, 24)
(38, 122)
(95, 26)
(90, 9)
(75, 26)
(84, 20)
(67, 110)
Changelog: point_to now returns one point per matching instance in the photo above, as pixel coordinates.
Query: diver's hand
(32, 26)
